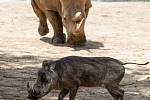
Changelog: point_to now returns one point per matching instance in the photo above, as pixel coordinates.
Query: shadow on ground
(13, 82)
(15, 72)
(13, 87)
(10, 60)
(89, 45)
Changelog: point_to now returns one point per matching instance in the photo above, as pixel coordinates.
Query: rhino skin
(71, 14)
(68, 73)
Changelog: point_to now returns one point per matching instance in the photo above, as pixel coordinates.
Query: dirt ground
(119, 30)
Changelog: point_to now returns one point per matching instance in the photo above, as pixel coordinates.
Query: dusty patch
(119, 30)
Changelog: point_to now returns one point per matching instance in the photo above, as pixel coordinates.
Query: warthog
(68, 73)
(68, 13)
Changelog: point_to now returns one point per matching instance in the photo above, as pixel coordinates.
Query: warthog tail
(136, 63)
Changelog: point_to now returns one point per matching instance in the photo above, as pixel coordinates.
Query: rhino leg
(43, 27)
(62, 94)
(56, 21)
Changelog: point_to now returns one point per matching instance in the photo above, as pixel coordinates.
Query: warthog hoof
(43, 30)
(59, 39)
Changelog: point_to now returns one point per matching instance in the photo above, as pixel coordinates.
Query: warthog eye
(43, 78)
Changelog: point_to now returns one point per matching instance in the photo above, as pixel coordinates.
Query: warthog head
(73, 16)
(46, 80)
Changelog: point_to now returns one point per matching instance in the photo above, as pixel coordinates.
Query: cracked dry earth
(119, 30)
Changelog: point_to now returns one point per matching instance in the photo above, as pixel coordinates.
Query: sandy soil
(119, 30)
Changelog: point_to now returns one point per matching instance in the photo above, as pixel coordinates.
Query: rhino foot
(59, 39)
(43, 30)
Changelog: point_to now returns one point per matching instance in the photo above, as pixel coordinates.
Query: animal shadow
(89, 45)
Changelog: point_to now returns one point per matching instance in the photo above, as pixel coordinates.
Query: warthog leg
(73, 92)
(63, 93)
(115, 91)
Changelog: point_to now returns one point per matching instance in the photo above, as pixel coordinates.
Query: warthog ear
(49, 65)
(45, 62)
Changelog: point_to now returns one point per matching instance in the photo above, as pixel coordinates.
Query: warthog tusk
(28, 86)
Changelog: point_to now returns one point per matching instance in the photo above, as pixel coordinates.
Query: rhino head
(74, 14)
(45, 82)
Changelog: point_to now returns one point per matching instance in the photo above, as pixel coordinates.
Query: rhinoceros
(71, 14)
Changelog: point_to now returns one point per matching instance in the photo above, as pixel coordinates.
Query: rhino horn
(79, 25)
(77, 17)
